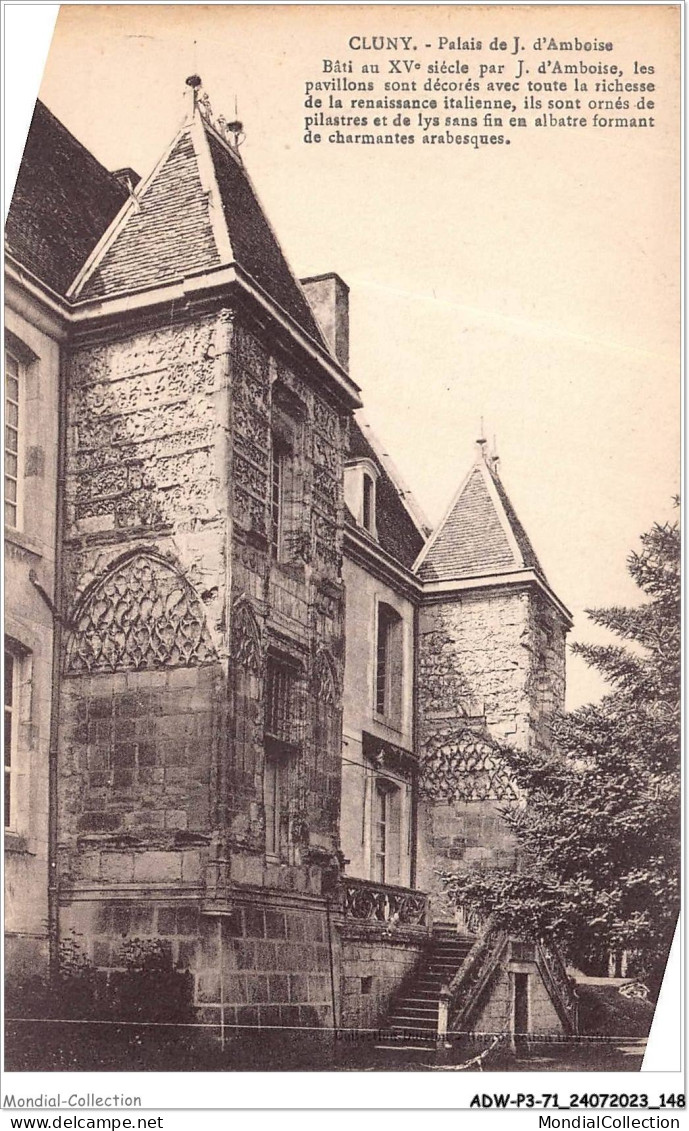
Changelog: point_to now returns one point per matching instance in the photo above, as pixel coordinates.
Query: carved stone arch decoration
(466, 767)
(325, 682)
(246, 637)
(142, 614)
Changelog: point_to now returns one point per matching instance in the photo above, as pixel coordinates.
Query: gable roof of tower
(63, 202)
(480, 534)
(196, 212)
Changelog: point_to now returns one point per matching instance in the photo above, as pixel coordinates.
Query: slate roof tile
(167, 237)
(254, 244)
(63, 202)
(472, 540)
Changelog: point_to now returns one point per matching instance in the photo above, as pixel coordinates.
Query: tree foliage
(598, 834)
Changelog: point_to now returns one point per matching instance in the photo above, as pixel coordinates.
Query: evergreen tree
(599, 833)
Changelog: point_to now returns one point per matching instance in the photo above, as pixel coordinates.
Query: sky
(535, 287)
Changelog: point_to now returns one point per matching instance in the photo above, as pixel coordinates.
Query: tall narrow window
(388, 663)
(277, 485)
(382, 656)
(380, 836)
(281, 744)
(12, 408)
(10, 735)
(276, 802)
(369, 504)
(386, 833)
(280, 722)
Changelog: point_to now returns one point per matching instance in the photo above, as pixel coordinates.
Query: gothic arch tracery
(141, 615)
(466, 767)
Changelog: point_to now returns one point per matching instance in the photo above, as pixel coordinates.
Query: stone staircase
(413, 1017)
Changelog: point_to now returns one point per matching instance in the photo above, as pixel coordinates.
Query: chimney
(328, 296)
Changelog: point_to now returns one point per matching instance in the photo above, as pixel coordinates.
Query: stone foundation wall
(264, 961)
(373, 968)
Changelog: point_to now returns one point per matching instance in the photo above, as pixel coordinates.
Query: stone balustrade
(368, 902)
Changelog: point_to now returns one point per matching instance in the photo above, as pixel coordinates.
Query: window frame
(278, 460)
(14, 765)
(281, 750)
(388, 708)
(13, 355)
(387, 794)
(368, 503)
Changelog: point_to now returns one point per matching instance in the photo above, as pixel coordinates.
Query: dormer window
(361, 481)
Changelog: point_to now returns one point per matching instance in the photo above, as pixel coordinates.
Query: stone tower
(202, 669)
(491, 666)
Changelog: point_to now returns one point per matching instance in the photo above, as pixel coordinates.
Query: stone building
(254, 700)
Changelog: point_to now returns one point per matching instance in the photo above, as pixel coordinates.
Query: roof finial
(235, 130)
(481, 443)
(194, 81)
(495, 458)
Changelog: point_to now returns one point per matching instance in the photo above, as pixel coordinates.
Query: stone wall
(373, 967)
(143, 707)
(491, 671)
(263, 962)
(496, 1014)
(33, 338)
(289, 604)
(181, 602)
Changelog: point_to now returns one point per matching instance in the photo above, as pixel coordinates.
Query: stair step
(409, 1025)
(412, 1025)
(414, 1014)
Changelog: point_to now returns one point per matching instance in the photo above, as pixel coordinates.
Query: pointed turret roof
(480, 535)
(198, 211)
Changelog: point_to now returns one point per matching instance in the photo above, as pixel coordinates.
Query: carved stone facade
(182, 603)
(491, 665)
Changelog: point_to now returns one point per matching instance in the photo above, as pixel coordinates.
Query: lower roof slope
(63, 202)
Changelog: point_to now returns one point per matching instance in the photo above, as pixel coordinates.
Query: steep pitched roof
(63, 201)
(197, 211)
(254, 243)
(169, 235)
(479, 535)
(397, 525)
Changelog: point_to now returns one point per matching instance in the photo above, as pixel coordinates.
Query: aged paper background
(536, 286)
